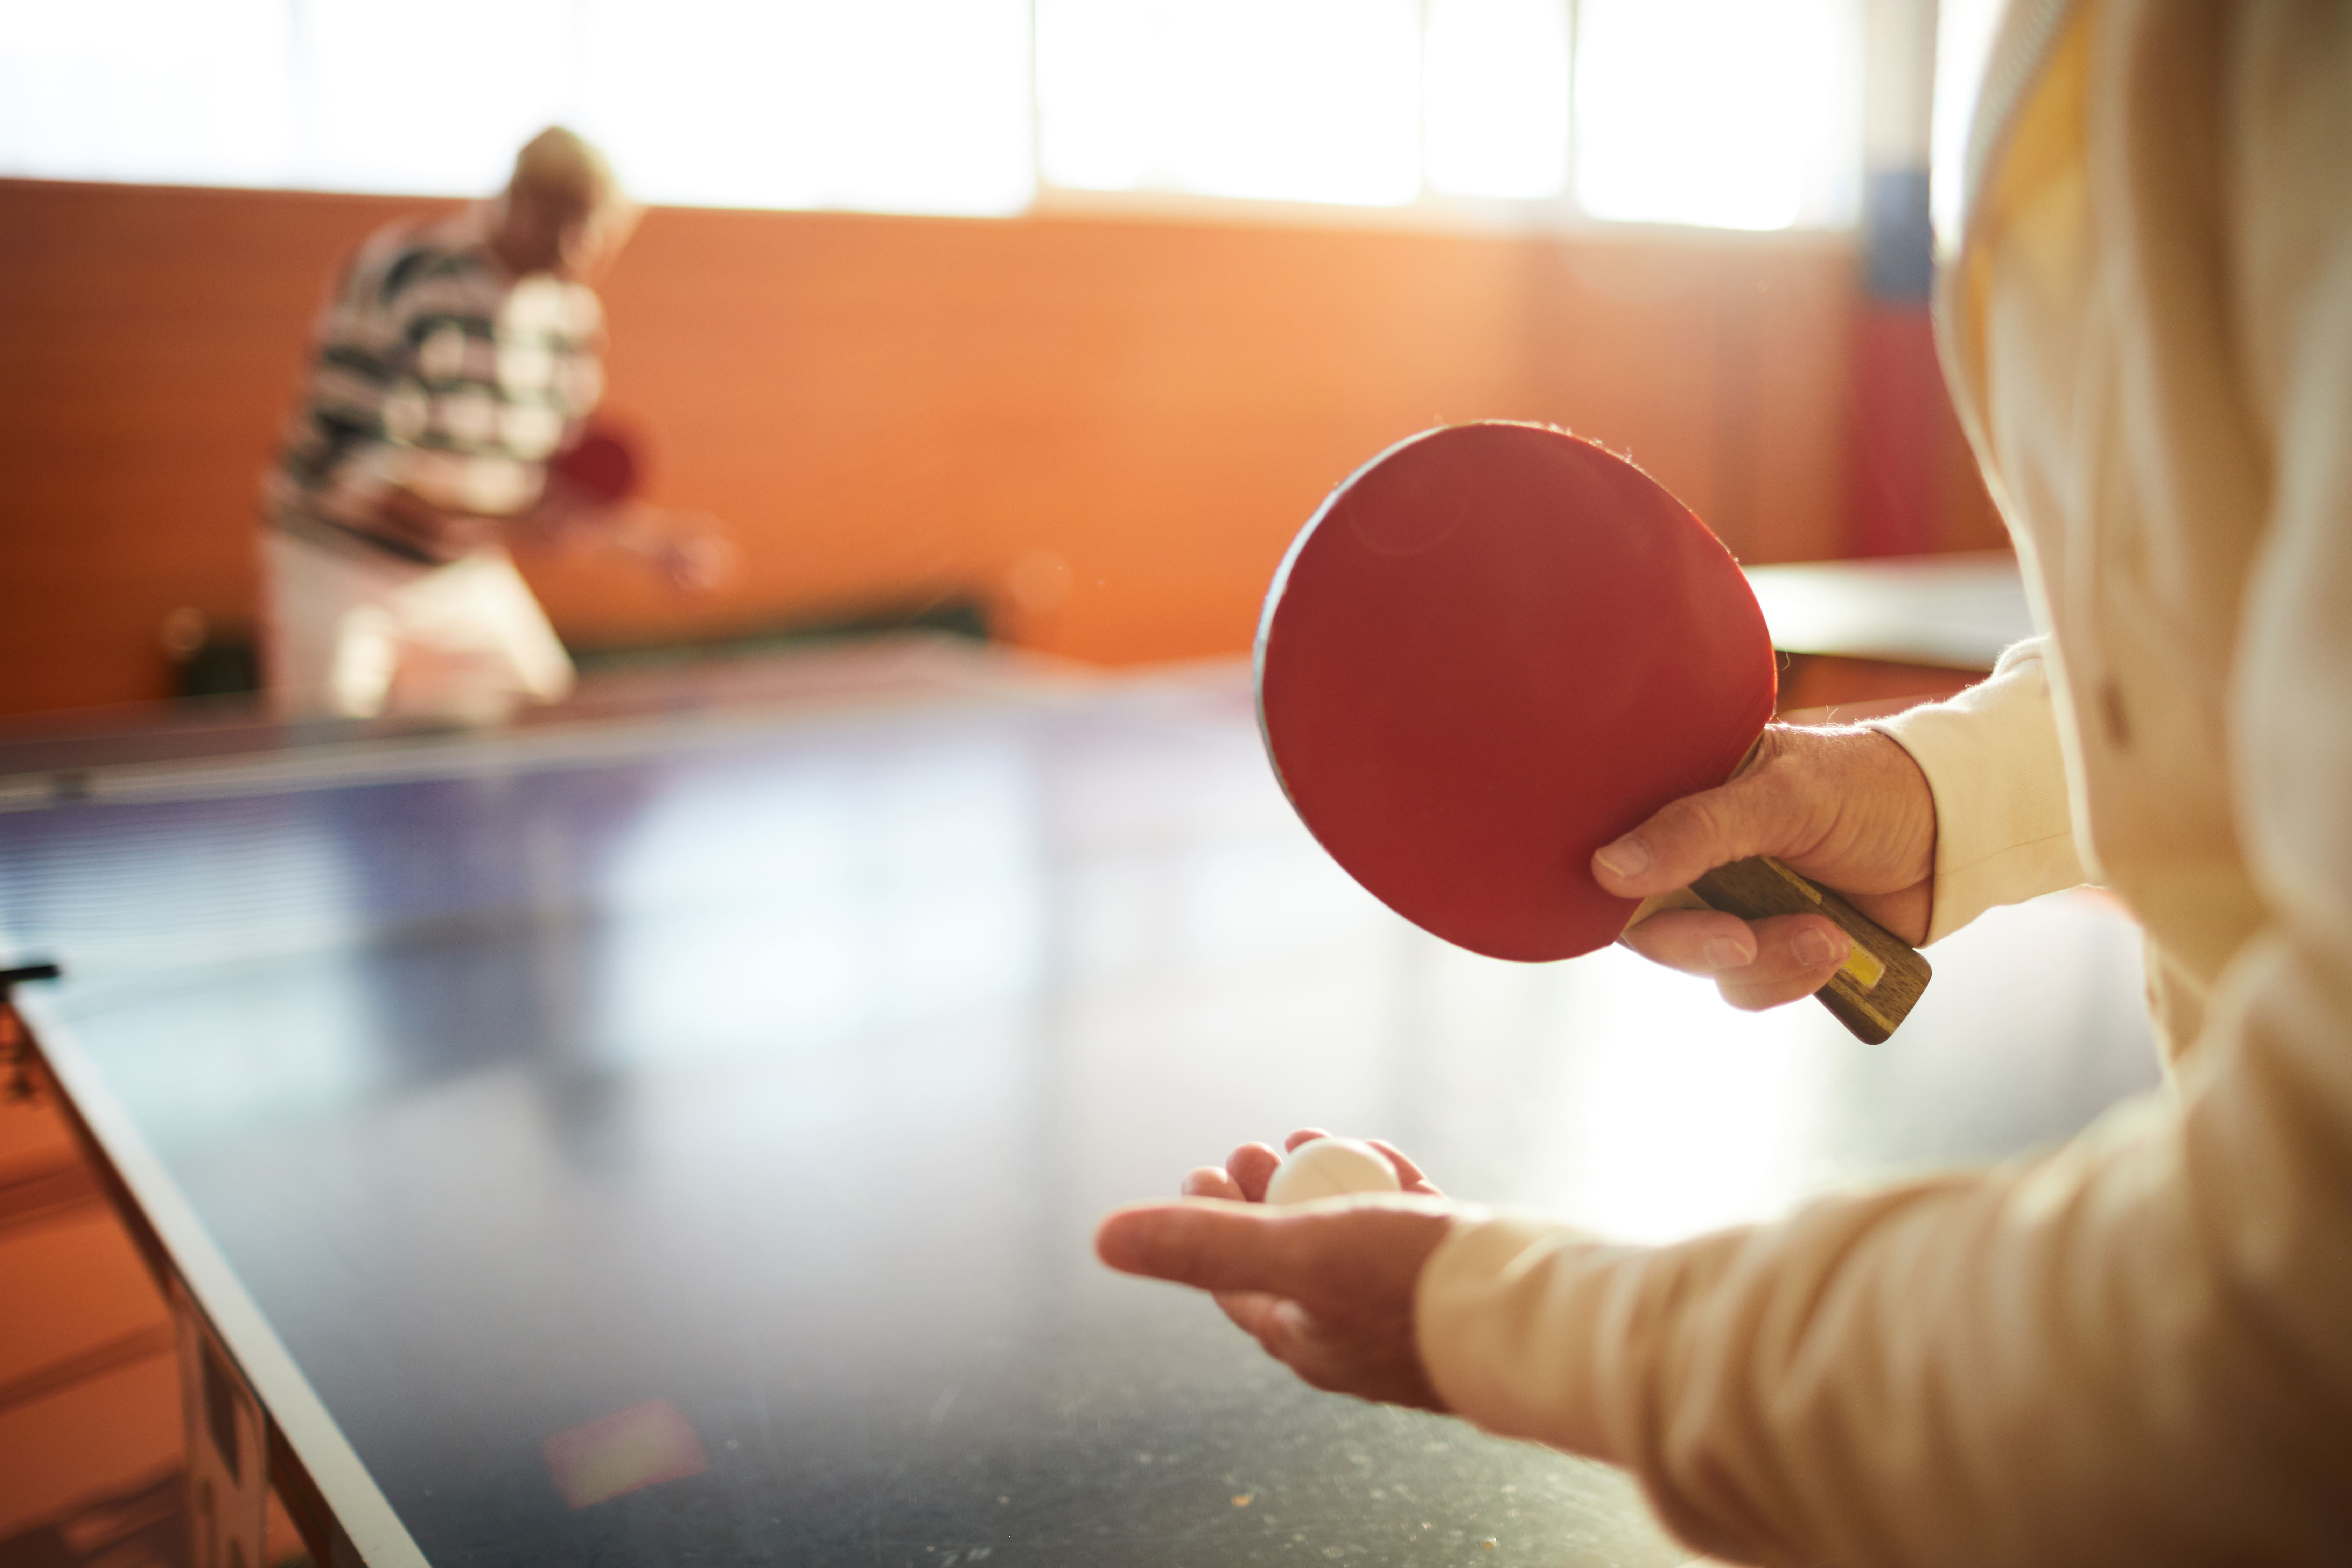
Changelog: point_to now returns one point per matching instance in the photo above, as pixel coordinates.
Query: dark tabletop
(770, 1082)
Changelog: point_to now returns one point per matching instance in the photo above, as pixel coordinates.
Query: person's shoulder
(402, 259)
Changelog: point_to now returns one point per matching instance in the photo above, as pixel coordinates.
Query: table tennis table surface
(764, 1064)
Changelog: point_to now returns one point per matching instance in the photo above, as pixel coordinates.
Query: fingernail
(1625, 859)
(1723, 953)
(1813, 946)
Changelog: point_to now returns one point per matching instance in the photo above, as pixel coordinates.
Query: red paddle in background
(599, 472)
(601, 466)
(1498, 648)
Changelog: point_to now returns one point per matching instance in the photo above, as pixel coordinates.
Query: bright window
(1495, 110)
(1298, 99)
(1740, 114)
(1964, 37)
(892, 105)
(146, 90)
(880, 105)
(434, 95)
(1731, 113)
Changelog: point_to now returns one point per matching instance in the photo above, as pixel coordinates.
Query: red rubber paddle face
(1496, 649)
(601, 465)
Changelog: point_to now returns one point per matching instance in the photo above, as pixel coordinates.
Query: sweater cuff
(2004, 830)
(1507, 1314)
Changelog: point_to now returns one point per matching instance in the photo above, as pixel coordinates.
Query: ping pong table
(671, 1131)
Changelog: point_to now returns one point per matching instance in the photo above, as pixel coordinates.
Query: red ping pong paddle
(600, 471)
(601, 466)
(1493, 649)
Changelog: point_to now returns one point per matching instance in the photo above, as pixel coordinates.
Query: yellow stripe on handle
(1882, 977)
(1862, 966)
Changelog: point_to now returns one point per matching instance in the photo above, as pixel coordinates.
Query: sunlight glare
(146, 90)
(1280, 99)
(903, 106)
(1725, 113)
(1964, 37)
(1689, 1115)
(401, 108)
(1495, 105)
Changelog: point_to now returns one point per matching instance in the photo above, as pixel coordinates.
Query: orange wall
(883, 406)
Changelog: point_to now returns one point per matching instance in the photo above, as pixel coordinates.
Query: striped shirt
(434, 372)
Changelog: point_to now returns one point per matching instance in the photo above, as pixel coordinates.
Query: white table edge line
(351, 1494)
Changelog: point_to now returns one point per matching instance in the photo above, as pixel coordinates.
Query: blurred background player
(456, 361)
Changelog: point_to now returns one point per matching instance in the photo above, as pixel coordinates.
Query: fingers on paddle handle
(1874, 990)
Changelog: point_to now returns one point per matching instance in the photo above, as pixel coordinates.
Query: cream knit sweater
(2138, 1348)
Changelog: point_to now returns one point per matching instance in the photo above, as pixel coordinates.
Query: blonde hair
(560, 157)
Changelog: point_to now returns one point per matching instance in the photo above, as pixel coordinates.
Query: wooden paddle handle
(1879, 981)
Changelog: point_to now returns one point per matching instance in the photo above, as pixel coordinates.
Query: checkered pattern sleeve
(335, 461)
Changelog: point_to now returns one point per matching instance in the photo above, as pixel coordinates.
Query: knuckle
(1689, 816)
(1715, 820)
(1777, 741)
(1787, 757)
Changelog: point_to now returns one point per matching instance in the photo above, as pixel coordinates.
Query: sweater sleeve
(2004, 830)
(2132, 1349)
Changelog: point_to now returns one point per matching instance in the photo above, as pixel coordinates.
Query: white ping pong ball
(1328, 1168)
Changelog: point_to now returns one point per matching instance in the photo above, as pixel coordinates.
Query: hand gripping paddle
(1498, 648)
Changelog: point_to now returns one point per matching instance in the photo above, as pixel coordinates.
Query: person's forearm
(2061, 1363)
